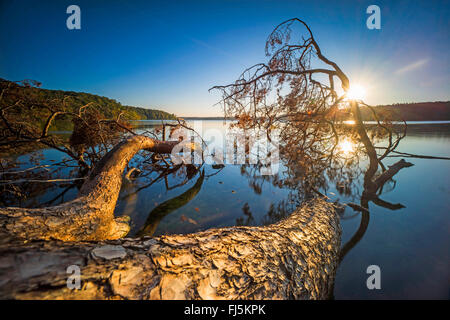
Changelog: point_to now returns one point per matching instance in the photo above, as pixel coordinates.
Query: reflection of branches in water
(19, 184)
(186, 172)
(217, 167)
(358, 235)
(278, 212)
(310, 160)
(303, 175)
(59, 195)
(248, 220)
(256, 179)
(20, 181)
(27, 118)
(385, 204)
(365, 215)
(161, 176)
(162, 210)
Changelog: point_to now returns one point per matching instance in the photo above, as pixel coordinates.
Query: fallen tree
(296, 258)
(91, 215)
(293, 259)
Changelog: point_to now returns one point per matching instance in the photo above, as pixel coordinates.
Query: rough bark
(91, 215)
(293, 259)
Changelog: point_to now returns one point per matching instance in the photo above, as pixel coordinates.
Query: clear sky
(167, 54)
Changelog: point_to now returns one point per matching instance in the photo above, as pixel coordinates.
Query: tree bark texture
(293, 259)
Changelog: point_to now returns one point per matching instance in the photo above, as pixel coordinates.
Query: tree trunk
(293, 259)
(369, 185)
(91, 215)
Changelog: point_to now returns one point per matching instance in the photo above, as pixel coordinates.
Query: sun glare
(356, 92)
(346, 147)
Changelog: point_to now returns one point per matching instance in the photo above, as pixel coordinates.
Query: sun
(356, 92)
(346, 146)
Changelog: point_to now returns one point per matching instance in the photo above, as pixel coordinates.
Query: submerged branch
(393, 170)
(91, 215)
(412, 155)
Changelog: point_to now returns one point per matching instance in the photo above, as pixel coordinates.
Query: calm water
(411, 245)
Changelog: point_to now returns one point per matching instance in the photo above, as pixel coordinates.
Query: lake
(410, 245)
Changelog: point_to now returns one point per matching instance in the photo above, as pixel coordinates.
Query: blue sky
(167, 54)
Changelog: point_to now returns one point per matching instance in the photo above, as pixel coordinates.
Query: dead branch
(91, 215)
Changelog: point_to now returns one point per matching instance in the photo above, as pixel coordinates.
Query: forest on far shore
(415, 111)
(109, 108)
(418, 111)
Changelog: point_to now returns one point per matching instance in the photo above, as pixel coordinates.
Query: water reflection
(248, 219)
(162, 201)
(309, 172)
(158, 213)
(305, 172)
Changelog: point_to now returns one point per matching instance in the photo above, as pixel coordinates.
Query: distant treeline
(419, 111)
(151, 114)
(208, 118)
(109, 108)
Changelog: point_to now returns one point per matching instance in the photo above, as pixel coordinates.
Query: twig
(43, 181)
